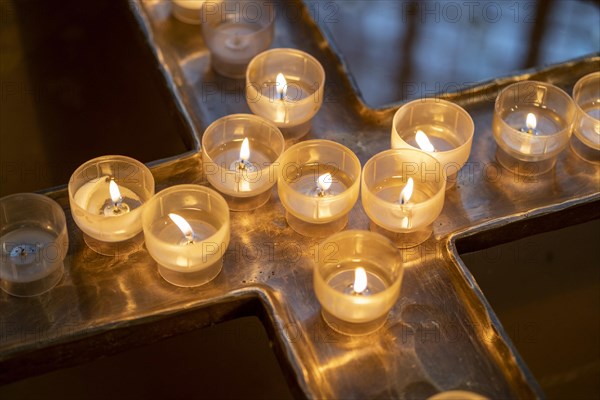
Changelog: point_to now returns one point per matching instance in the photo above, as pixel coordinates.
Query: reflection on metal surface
(430, 46)
(440, 335)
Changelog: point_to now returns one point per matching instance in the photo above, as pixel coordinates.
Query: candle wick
(117, 207)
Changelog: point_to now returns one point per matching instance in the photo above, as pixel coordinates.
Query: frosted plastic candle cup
(404, 218)
(187, 11)
(532, 125)
(348, 305)
(318, 204)
(447, 126)
(110, 227)
(245, 184)
(586, 139)
(34, 243)
(194, 259)
(291, 101)
(235, 32)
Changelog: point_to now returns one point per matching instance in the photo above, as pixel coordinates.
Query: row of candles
(186, 228)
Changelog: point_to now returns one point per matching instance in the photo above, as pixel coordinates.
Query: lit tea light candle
(116, 206)
(586, 139)
(359, 286)
(240, 159)
(530, 128)
(243, 163)
(405, 206)
(318, 186)
(423, 141)
(187, 11)
(359, 283)
(439, 127)
(323, 184)
(235, 32)
(402, 192)
(33, 241)
(286, 87)
(187, 231)
(532, 124)
(106, 196)
(185, 227)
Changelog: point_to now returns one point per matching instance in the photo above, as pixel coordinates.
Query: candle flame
(245, 150)
(324, 182)
(423, 141)
(407, 191)
(281, 86)
(115, 193)
(360, 280)
(183, 226)
(531, 121)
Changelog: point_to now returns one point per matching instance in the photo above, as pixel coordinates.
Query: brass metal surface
(441, 334)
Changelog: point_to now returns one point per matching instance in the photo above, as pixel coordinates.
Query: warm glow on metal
(423, 141)
(324, 182)
(360, 280)
(245, 150)
(281, 86)
(407, 192)
(115, 193)
(183, 226)
(531, 121)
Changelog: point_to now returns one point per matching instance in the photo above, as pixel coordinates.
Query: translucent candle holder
(286, 87)
(187, 11)
(586, 139)
(532, 125)
(439, 127)
(357, 281)
(235, 32)
(34, 241)
(244, 180)
(187, 256)
(110, 220)
(318, 186)
(402, 192)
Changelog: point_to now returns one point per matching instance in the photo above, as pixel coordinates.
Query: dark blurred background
(399, 50)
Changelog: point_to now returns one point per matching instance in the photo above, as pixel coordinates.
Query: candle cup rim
(213, 194)
(269, 25)
(62, 219)
(240, 116)
(577, 88)
(267, 53)
(581, 81)
(390, 152)
(346, 150)
(142, 166)
(569, 101)
(397, 271)
(467, 142)
(33, 196)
